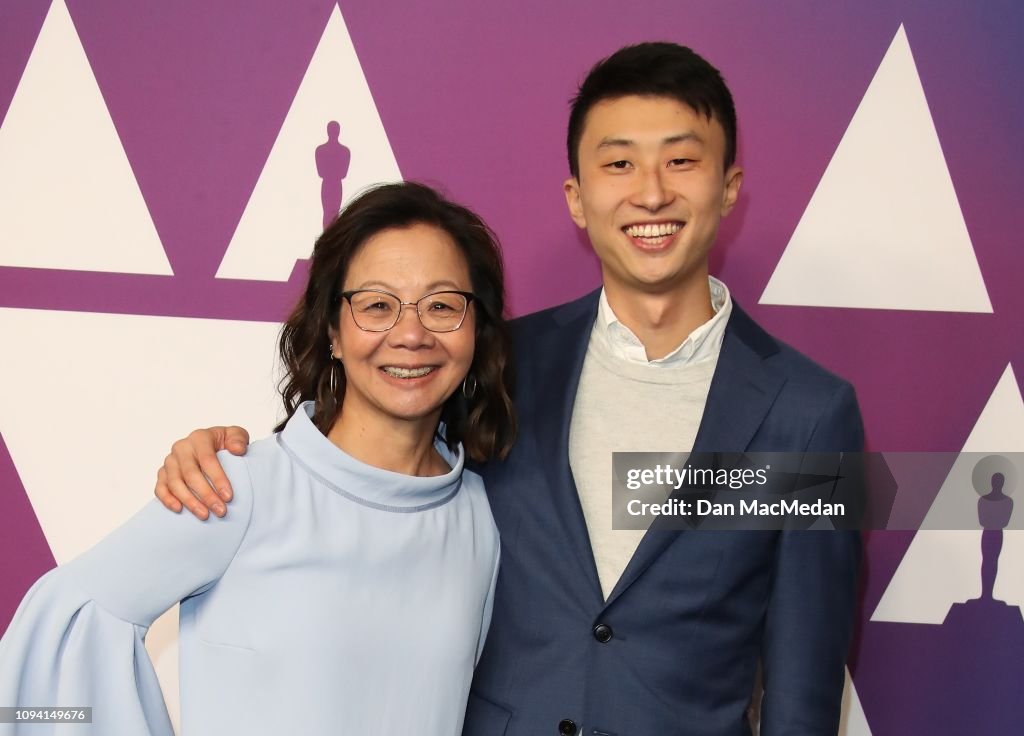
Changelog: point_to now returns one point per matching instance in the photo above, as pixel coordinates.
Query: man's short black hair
(655, 69)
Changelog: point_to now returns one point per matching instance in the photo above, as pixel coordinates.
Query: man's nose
(652, 193)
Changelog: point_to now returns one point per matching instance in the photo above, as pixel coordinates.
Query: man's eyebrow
(614, 143)
(683, 137)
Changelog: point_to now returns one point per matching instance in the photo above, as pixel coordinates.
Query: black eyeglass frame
(469, 296)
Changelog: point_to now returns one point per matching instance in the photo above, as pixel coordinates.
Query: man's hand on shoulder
(191, 476)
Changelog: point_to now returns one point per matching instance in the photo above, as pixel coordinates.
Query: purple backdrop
(473, 96)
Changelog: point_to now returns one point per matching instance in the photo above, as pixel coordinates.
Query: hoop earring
(334, 376)
(469, 386)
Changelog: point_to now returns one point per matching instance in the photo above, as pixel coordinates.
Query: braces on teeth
(407, 372)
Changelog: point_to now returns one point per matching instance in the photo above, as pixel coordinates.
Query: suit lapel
(742, 392)
(565, 349)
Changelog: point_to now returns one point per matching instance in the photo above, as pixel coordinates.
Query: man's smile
(653, 235)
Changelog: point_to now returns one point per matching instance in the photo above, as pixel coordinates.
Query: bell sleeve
(77, 639)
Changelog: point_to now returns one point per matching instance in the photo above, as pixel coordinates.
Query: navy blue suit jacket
(694, 611)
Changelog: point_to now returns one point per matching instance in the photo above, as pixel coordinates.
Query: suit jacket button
(603, 633)
(567, 727)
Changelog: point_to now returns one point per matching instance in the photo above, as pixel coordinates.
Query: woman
(350, 589)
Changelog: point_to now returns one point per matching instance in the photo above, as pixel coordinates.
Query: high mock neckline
(363, 483)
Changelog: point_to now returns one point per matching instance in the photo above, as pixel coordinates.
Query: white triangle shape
(284, 215)
(941, 568)
(100, 397)
(884, 228)
(853, 721)
(68, 197)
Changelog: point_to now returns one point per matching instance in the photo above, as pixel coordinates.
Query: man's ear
(574, 201)
(733, 182)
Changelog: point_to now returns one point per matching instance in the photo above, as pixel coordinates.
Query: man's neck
(662, 321)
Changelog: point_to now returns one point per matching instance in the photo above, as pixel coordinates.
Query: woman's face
(407, 372)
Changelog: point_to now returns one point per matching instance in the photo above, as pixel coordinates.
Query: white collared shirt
(704, 342)
(627, 403)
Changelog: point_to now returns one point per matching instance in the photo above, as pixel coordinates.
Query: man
(601, 631)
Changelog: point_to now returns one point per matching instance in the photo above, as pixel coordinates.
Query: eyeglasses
(374, 310)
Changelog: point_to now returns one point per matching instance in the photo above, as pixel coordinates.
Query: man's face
(651, 191)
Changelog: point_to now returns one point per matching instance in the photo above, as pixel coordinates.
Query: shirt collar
(703, 343)
(362, 483)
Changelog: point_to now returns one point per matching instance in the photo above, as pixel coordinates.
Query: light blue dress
(334, 598)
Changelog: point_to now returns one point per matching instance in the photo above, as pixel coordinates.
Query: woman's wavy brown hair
(485, 423)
